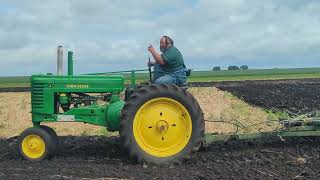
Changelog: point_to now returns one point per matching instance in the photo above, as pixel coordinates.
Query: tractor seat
(183, 86)
(188, 72)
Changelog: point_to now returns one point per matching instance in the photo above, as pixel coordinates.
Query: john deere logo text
(77, 86)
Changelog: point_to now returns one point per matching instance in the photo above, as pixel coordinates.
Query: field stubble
(217, 105)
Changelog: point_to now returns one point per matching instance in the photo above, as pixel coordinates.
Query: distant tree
(216, 68)
(230, 68)
(244, 67)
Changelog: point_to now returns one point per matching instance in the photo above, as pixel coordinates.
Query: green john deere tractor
(157, 123)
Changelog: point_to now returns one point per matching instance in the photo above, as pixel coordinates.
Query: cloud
(114, 34)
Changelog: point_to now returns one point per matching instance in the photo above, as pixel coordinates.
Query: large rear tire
(161, 124)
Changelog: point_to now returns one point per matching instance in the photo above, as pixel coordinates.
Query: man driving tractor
(169, 66)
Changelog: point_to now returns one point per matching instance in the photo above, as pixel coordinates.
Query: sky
(111, 35)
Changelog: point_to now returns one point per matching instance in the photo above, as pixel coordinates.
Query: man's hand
(156, 56)
(151, 49)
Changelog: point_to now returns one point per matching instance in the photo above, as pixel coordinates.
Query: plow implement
(308, 127)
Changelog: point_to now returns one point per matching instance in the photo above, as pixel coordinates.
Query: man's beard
(162, 49)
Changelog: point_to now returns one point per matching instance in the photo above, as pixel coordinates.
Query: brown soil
(101, 157)
(295, 96)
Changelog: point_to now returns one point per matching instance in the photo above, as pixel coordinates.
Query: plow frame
(289, 128)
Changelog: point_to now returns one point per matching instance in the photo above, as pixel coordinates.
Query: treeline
(232, 67)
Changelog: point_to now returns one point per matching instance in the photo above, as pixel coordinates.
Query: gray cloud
(114, 34)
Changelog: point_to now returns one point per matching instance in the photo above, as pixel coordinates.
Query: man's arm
(156, 56)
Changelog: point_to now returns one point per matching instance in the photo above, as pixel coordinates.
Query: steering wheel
(150, 72)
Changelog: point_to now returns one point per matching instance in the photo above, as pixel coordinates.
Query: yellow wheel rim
(33, 146)
(162, 127)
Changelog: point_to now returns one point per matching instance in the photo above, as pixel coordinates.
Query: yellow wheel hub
(33, 146)
(162, 127)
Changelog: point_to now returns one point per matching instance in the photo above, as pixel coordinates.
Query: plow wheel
(36, 144)
(161, 124)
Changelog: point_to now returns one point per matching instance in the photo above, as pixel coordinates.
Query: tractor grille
(37, 96)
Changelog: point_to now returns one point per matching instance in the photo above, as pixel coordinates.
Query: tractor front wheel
(161, 124)
(54, 138)
(36, 144)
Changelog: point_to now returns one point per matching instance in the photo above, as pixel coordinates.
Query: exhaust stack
(70, 63)
(60, 60)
